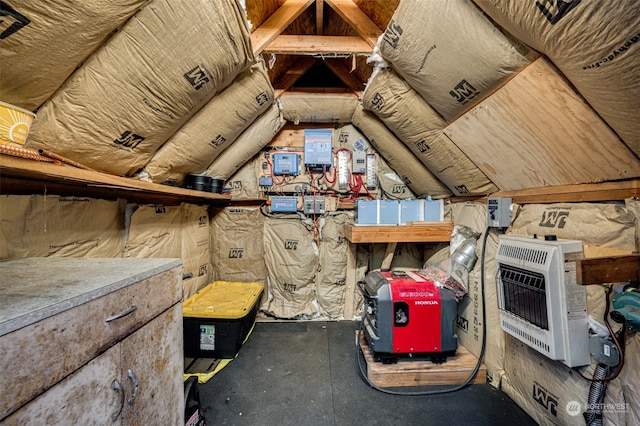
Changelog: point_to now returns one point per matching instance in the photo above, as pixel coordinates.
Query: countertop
(33, 289)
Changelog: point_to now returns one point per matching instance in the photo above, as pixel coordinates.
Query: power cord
(469, 379)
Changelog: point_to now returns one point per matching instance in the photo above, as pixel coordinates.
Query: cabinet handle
(135, 386)
(118, 387)
(122, 314)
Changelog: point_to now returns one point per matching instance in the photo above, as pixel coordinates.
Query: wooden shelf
(588, 192)
(429, 232)
(22, 176)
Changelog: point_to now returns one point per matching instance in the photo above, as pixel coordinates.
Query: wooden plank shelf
(419, 372)
(425, 232)
(23, 176)
(578, 193)
(608, 269)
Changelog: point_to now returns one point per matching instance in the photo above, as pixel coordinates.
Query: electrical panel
(358, 162)
(499, 212)
(313, 204)
(286, 163)
(284, 205)
(317, 148)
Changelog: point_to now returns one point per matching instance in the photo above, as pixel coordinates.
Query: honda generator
(408, 314)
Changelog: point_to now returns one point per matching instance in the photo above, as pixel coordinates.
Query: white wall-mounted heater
(539, 300)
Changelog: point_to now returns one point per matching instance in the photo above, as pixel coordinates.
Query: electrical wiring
(273, 177)
(473, 374)
(619, 345)
(362, 185)
(326, 178)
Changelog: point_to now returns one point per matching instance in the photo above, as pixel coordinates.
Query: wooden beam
(589, 192)
(350, 80)
(318, 45)
(319, 16)
(292, 75)
(610, 269)
(277, 22)
(357, 19)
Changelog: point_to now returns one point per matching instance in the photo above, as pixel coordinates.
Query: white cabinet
(94, 341)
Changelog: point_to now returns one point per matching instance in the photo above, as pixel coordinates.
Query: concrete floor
(306, 373)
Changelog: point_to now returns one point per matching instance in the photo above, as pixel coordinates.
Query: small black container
(197, 182)
(216, 185)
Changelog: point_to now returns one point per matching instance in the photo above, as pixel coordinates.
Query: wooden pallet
(417, 372)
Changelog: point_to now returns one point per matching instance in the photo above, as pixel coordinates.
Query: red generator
(408, 314)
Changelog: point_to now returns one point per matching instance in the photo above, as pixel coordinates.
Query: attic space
(438, 194)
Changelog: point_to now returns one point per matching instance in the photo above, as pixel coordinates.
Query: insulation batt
(248, 144)
(237, 251)
(594, 43)
(291, 266)
(318, 107)
(50, 225)
(154, 231)
(421, 129)
(449, 52)
(139, 88)
(332, 271)
(196, 248)
(411, 170)
(212, 129)
(45, 40)
(244, 183)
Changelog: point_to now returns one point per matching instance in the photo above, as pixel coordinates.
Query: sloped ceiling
(532, 130)
(519, 137)
(332, 35)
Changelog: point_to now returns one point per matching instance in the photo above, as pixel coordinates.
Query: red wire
(273, 177)
(326, 178)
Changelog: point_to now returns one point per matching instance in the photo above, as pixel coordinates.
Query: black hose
(593, 415)
(469, 379)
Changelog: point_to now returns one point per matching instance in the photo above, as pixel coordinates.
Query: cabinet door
(82, 398)
(154, 355)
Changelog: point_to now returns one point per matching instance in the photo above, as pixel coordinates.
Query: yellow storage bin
(218, 318)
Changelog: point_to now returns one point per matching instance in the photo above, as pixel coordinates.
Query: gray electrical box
(313, 204)
(499, 212)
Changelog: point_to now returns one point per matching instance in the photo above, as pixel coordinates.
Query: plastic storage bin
(218, 318)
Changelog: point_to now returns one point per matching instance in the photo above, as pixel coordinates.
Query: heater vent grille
(526, 254)
(526, 337)
(525, 295)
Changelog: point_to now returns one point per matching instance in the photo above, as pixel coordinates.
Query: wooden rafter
(293, 74)
(319, 16)
(318, 45)
(341, 71)
(355, 17)
(277, 23)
